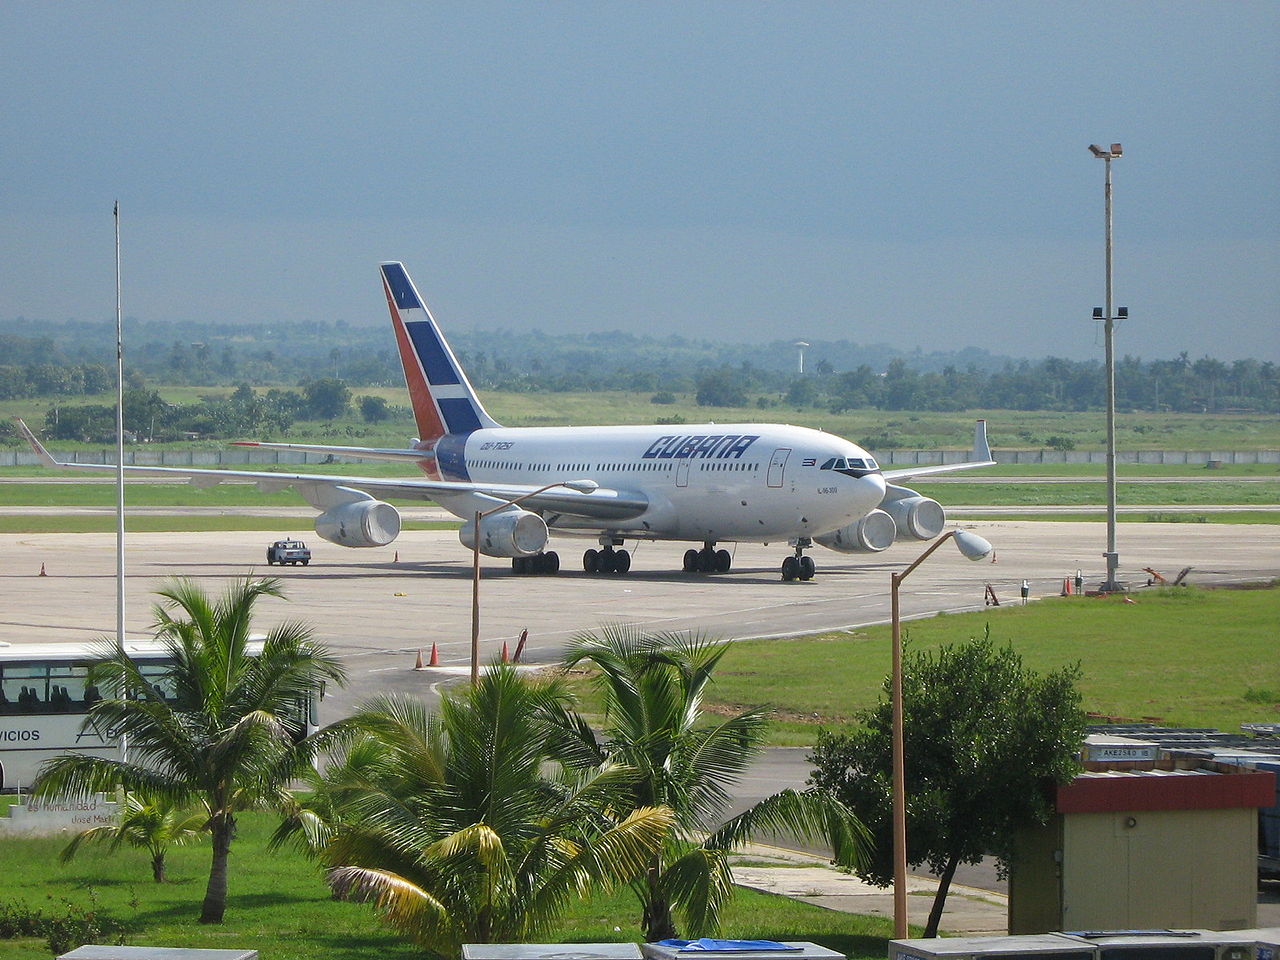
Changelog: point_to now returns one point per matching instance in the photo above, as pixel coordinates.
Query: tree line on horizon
(71, 359)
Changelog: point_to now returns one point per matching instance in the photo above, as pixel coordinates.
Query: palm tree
(153, 825)
(653, 686)
(461, 828)
(228, 735)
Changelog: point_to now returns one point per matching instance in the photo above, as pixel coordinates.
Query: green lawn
(279, 905)
(1188, 494)
(1185, 657)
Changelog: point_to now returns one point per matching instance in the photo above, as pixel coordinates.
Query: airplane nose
(869, 491)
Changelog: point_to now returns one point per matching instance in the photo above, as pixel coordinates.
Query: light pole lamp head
(1096, 150)
(1114, 153)
(972, 546)
(1117, 150)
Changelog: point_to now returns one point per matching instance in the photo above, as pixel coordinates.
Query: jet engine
(916, 517)
(510, 533)
(360, 523)
(873, 533)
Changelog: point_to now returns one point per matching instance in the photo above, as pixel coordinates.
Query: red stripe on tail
(430, 427)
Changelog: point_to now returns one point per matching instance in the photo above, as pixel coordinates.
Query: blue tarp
(712, 945)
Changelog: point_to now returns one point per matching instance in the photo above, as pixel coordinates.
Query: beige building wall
(1160, 868)
(1136, 869)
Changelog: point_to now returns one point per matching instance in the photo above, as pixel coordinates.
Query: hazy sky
(907, 173)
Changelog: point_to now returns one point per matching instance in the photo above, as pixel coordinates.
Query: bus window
(66, 684)
(25, 687)
(157, 677)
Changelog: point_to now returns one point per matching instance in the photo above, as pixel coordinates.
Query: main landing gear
(799, 566)
(707, 560)
(539, 563)
(606, 560)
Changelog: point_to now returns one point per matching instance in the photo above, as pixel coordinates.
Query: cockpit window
(829, 465)
(871, 464)
(857, 464)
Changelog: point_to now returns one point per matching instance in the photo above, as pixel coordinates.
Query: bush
(663, 396)
(62, 932)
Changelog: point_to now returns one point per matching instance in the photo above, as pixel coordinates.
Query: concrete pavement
(969, 910)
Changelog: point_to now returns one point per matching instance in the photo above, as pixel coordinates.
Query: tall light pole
(973, 547)
(578, 486)
(1111, 584)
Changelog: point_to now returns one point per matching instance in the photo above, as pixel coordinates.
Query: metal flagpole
(124, 748)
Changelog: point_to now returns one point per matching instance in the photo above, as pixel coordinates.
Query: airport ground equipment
(291, 552)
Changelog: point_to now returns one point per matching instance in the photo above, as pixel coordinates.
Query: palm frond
(403, 903)
(700, 883)
(809, 815)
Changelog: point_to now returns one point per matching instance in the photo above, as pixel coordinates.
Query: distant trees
(374, 409)
(721, 388)
(69, 359)
(327, 398)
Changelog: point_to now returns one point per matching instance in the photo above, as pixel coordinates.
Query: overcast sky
(914, 173)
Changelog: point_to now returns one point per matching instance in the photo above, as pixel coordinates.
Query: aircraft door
(778, 465)
(682, 473)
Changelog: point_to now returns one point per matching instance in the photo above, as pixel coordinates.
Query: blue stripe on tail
(459, 415)
(401, 288)
(426, 344)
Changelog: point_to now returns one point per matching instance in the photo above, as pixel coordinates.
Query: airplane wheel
(807, 568)
(518, 565)
(621, 561)
(591, 561)
(305, 562)
(691, 561)
(551, 563)
(723, 561)
(790, 568)
(706, 560)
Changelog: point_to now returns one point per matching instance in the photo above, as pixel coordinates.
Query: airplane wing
(325, 491)
(366, 453)
(980, 457)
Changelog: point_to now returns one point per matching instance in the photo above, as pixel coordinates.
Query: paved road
(380, 606)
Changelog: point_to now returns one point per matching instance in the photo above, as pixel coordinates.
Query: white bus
(44, 701)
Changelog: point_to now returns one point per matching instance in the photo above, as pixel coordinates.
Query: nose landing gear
(800, 566)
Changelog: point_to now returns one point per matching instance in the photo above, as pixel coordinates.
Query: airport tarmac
(378, 607)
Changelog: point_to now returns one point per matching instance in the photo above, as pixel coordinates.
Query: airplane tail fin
(981, 449)
(442, 396)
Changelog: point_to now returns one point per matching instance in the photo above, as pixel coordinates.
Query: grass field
(279, 905)
(1185, 657)
(1009, 429)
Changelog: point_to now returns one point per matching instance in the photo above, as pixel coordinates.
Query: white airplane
(707, 483)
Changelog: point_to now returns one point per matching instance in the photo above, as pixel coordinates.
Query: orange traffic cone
(506, 656)
(435, 657)
(42, 573)
(418, 663)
